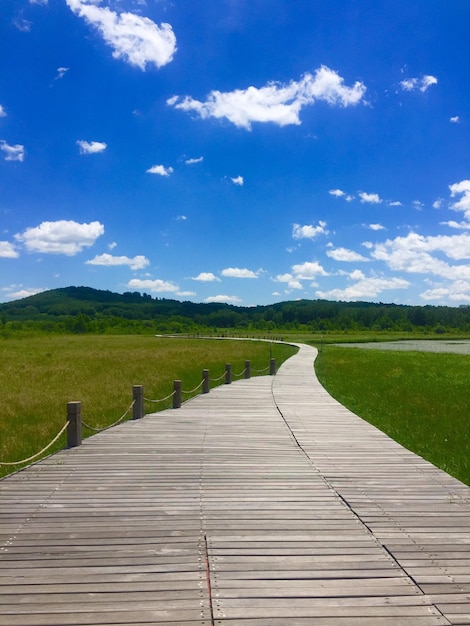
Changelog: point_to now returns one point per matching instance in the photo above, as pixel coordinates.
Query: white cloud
(112, 245)
(91, 147)
(13, 153)
(43, 2)
(277, 103)
(308, 231)
(61, 72)
(7, 250)
(237, 272)
(155, 286)
(463, 189)
(395, 203)
(193, 161)
(238, 181)
(292, 282)
(135, 39)
(206, 277)
(3, 113)
(61, 237)
(375, 227)
(455, 119)
(161, 170)
(418, 84)
(437, 203)
(418, 205)
(25, 293)
(458, 225)
(416, 254)
(343, 254)
(136, 263)
(365, 287)
(308, 270)
(370, 198)
(223, 299)
(338, 193)
(457, 291)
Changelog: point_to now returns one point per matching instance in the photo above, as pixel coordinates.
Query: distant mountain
(95, 305)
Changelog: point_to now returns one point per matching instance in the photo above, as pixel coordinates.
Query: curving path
(264, 503)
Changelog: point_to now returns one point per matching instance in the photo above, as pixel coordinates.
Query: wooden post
(272, 367)
(176, 394)
(74, 428)
(205, 381)
(247, 369)
(138, 396)
(228, 373)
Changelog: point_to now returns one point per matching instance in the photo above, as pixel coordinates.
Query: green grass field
(420, 399)
(40, 374)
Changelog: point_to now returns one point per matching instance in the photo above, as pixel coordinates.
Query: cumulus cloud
(375, 227)
(160, 170)
(364, 287)
(154, 286)
(455, 119)
(370, 198)
(135, 39)
(193, 161)
(458, 225)
(418, 254)
(418, 84)
(288, 278)
(8, 250)
(308, 270)
(24, 293)
(237, 272)
(238, 181)
(136, 263)
(206, 277)
(457, 291)
(276, 103)
(461, 189)
(61, 237)
(343, 254)
(91, 147)
(308, 231)
(338, 193)
(13, 153)
(223, 299)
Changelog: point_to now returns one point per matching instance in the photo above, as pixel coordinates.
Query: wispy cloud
(61, 72)
(3, 113)
(308, 231)
(135, 263)
(343, 254)
(276, 102)
(61, 237)
(238, 181)
(14, 152)
(160, 170)
(135, 39)
(193, 161)
(375, 226)
(91, 147)
(455, 119)
(418, 84)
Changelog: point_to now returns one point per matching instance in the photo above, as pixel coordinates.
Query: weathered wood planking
(261, 504)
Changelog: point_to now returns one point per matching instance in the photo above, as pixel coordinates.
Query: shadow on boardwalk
(265, 503)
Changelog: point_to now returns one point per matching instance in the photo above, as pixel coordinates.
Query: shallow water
(457, 346)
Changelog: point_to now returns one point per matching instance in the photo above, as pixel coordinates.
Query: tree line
(83, 309)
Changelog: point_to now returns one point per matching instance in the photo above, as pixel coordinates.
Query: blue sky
(241, 151)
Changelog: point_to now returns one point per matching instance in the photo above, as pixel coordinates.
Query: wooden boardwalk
(264, 503)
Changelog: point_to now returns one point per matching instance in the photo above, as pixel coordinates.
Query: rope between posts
(240, 374)
(195, 388)
(62, 430)
(99, 430)
(265, 369)
(162, 400)
(216, 380)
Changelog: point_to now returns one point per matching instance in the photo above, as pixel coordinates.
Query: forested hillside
(82, 309)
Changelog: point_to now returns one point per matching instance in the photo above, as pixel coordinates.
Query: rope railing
(45, 449)
(265, 369)
(99, 430)
(75, 423)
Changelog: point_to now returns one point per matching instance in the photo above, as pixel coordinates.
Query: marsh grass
(40, 374)
(420, 399)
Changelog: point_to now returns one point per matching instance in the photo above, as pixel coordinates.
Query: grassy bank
(420, 399)
(40, 374)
